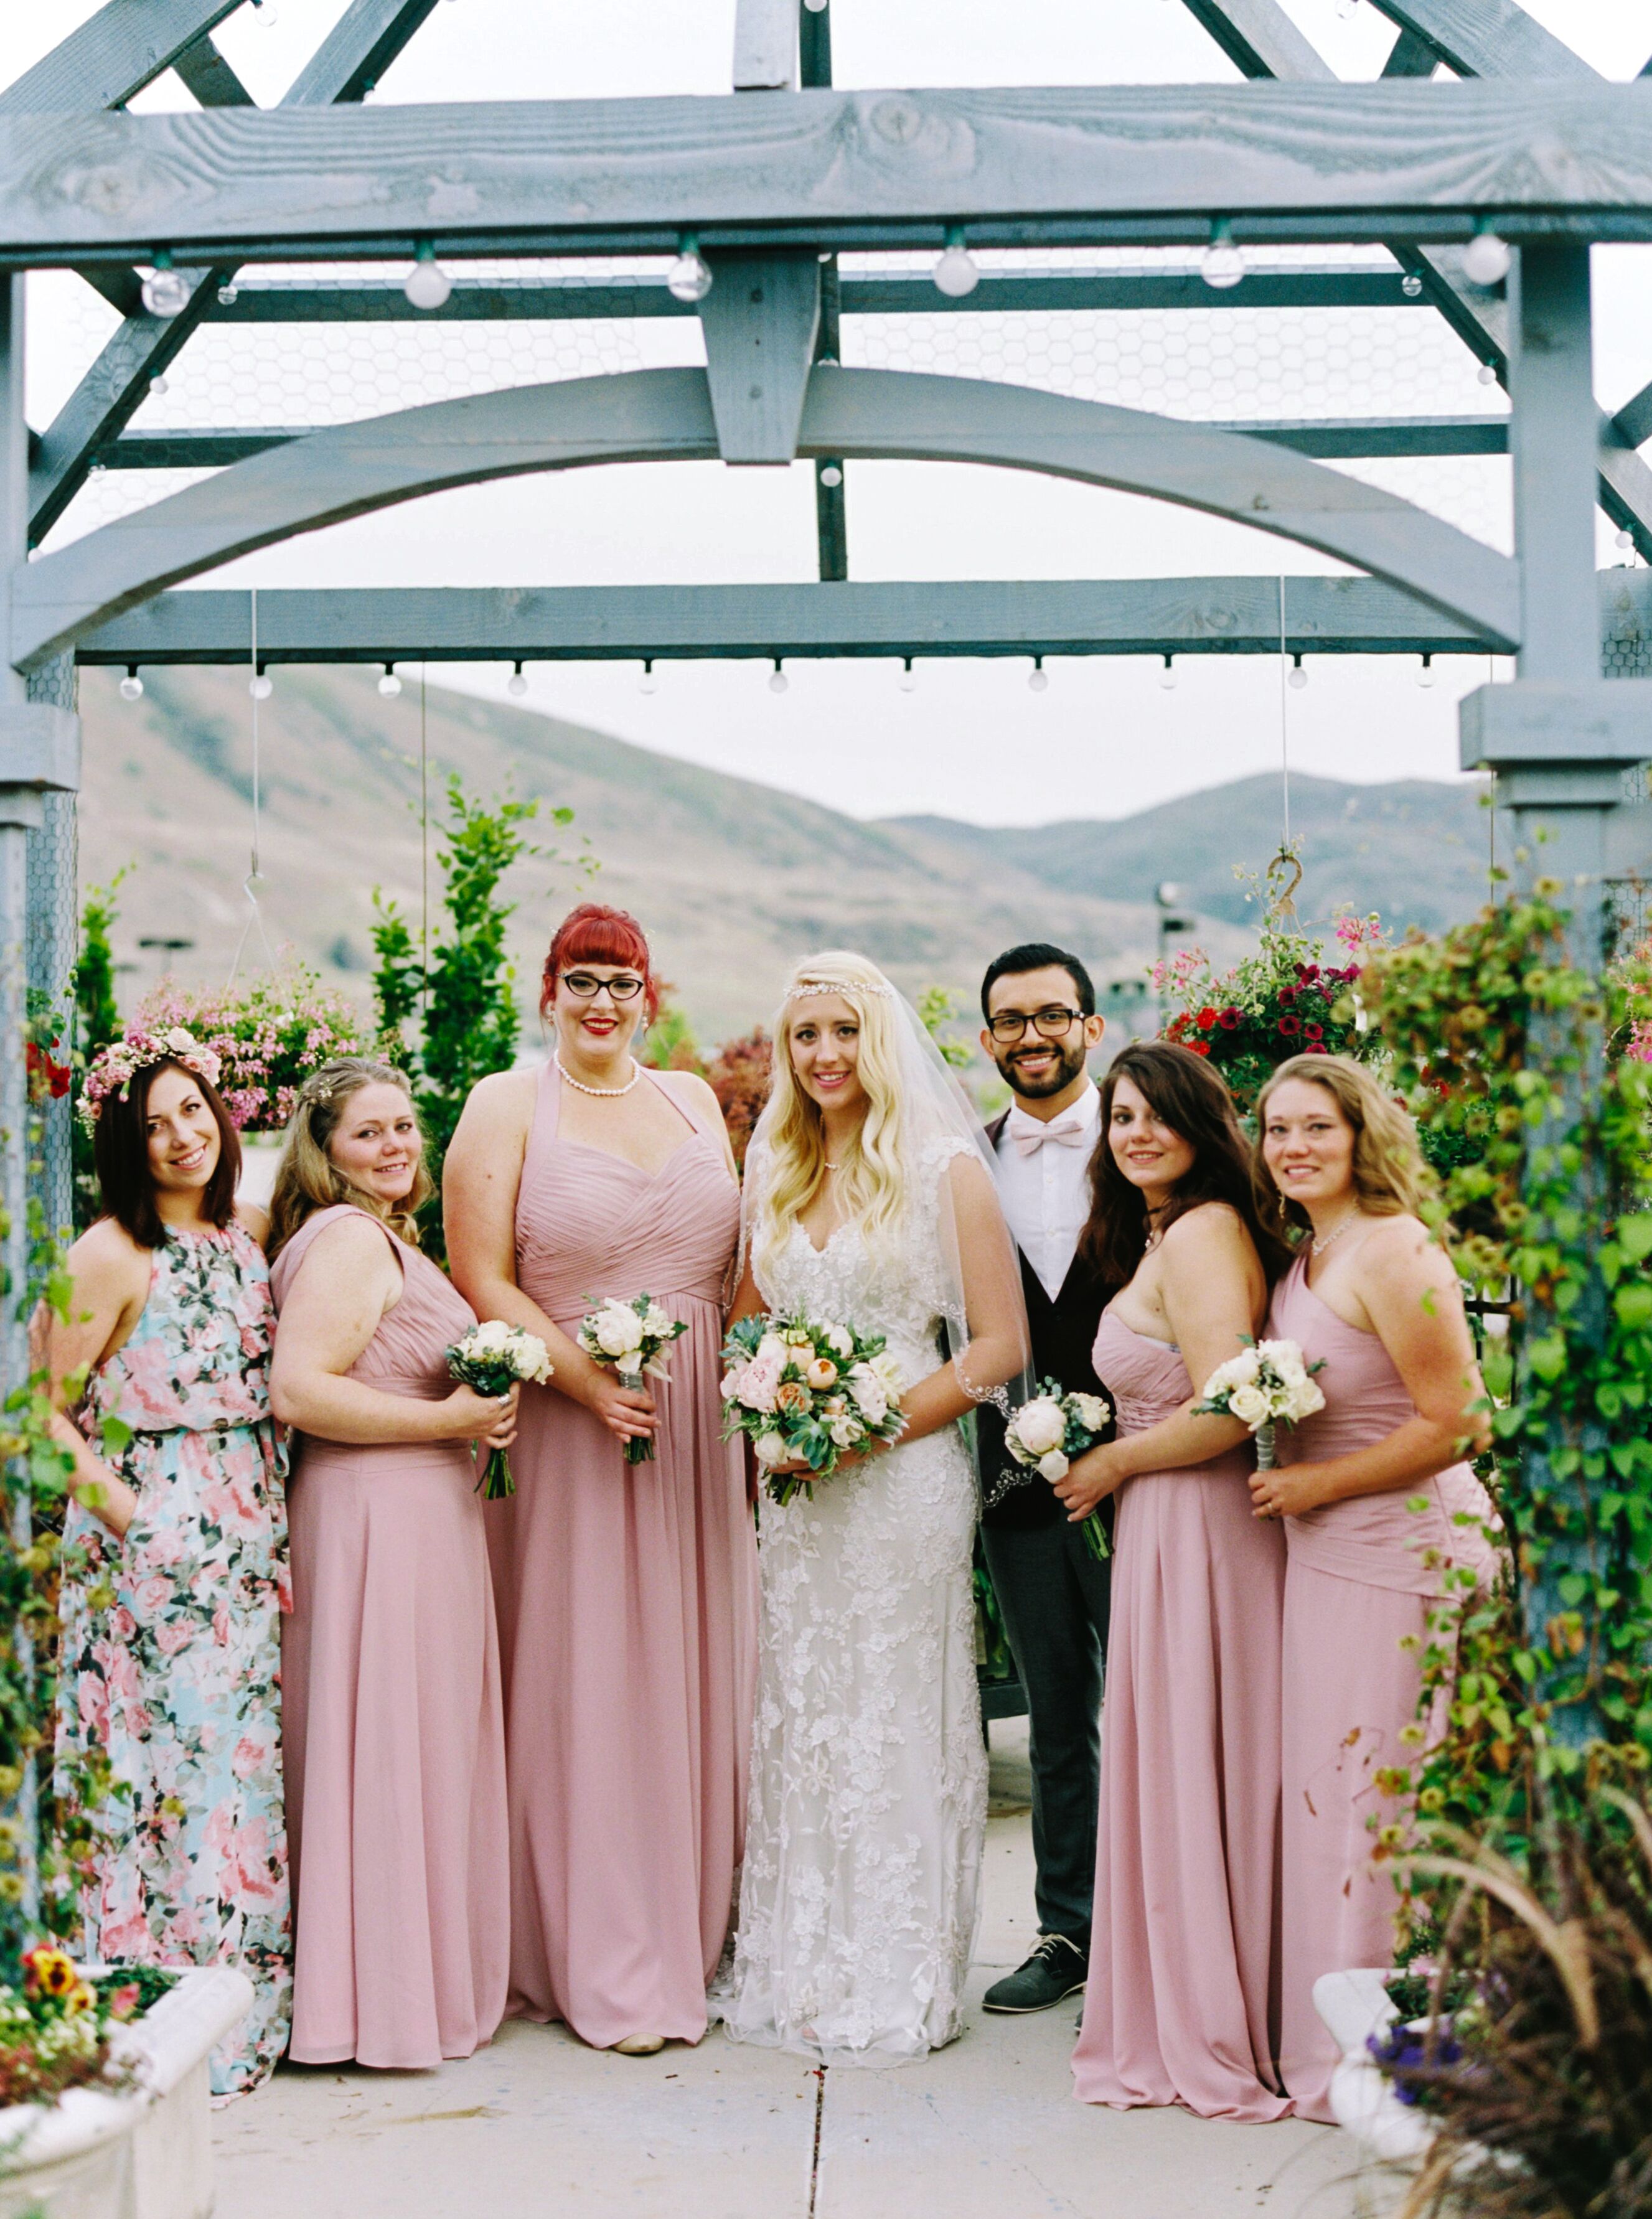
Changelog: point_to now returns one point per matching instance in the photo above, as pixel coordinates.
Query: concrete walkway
(540, 2123)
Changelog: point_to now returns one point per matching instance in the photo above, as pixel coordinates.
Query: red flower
(1177, 1026)
(1288, 993)
(1316, 1048)
(1198, 1048)
(1229, 1019)
(1206, 1018)
(1307, 973)
(1290, 1025)
(1313, 1032)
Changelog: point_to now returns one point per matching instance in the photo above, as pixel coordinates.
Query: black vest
(1063, 1334)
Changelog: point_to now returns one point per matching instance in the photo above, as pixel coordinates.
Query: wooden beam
(1260, 39)
(1487, 38)
(1410, 56)
(210, 78)
(113, 55)
(759, 321)
(607, 623)
(1633, 422)
(765, 45)
(353, 469)
(355, 53)
(834, 170)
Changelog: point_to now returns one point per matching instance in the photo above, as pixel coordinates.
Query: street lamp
(1171, 921)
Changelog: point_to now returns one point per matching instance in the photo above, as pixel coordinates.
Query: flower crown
(114, 1068)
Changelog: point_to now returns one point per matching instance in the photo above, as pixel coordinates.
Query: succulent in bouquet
(811, 1393)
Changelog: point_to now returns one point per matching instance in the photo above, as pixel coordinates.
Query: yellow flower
(81, 1997)
(48, 1972)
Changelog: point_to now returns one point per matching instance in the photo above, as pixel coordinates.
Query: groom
(1039, 1007)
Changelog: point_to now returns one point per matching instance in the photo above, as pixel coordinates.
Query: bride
(869, 1203)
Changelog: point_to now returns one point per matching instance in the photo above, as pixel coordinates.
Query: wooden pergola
(1487, 189)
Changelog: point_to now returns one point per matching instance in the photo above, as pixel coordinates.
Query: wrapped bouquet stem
(1048, 1431)
(492, 1359)
(631, 1334)
(1268, 1385)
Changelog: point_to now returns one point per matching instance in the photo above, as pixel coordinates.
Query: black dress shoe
(1056, 1969)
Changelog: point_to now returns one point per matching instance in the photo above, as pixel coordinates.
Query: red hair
(593, 933)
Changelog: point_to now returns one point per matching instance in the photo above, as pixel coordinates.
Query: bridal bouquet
(807, 1394)
(631, 1336)
(492, 1359)
(1268, 1384)
(1048, 1431)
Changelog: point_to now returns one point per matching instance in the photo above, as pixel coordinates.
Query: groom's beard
(1069, 1062)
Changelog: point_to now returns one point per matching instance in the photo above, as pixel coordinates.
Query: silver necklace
(1342, 1225)
(579, 1084)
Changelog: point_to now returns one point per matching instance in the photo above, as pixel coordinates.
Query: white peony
(1041, 1424)
(1093, 1411)
(759, 1381)
(491, 1339)
(619, 1332)
(821, 1373)
(886, 1368)
(731, 1383)
(657, 1321)
(1305, 1400)
(870, 1397)
(846, 1432)
(1285, 1356)
(1053, 1466)
(772, 1348)
(1249, 1405)
(770, 1448)
(838, 1339)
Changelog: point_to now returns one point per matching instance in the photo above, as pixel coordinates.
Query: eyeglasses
(585, 986)
(1049, 1025)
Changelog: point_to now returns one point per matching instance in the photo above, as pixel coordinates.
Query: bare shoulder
(254, 1219)
(689, 1087)
(107, 1254)
(1208, 1225)
(502, 1104)
(1402, 1243)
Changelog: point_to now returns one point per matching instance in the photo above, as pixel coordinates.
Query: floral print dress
(171, 1646)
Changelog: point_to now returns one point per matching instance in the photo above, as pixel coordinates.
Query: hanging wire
(1491, 804)
(254, 878)
(423, 850)
(1284, 715)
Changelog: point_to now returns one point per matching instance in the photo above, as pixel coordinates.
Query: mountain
(732, 879)
(1415, 850)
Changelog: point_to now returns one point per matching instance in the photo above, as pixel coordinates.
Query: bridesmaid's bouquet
(492, 1359)
(1048, 1431)
(808, 1394)
(631, 1336)
(1270, 1384)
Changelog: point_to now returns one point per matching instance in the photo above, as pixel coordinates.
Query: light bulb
(689, 277)
(228, 296)
(815, 7)
(778, 680)
(260, 687)
(1425, 672)
(516, 683)
(389, 685)
(955, 273)
(647, 683)
(1037, 677)
(831, 475)
(1487, 374)
(1486, 259)
(1411, 285)
(158, 386)
(269, 15)
(1296, 677)
(1625, 539)
(1167, 676)
(908, 680)
(428, 284)
(1222, 264)
(131, 686)
(164, 292)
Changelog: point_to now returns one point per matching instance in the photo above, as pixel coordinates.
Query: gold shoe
(641, 2045)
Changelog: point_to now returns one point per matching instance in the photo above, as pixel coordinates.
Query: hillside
(733, 879)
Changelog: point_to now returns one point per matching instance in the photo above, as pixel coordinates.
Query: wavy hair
(1185, 1093)
(307, 1179)
(874, 1171)
(1391, 1179)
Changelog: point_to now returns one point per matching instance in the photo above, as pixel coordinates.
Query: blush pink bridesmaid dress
(1181, 2002)
(628, 1608)
(1358, 1584)
(394, 1723)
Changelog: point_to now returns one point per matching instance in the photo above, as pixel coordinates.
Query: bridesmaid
(174, 1546)
(1374, 1295)
(627, 1593)
(395, 1736)
(1180, 2005)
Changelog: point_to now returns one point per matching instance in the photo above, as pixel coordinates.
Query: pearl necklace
(579, 1084)
(1342, 1225)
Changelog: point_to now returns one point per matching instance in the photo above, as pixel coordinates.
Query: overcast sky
(970, 740)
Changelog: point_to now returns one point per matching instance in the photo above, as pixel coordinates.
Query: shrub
(739, 1074)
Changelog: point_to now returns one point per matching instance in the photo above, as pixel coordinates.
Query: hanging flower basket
(269, 1035)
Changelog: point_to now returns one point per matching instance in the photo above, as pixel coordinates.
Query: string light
(165, 291)
(269, 13)
(778, 680)
(158, 386)
(1425, 672)
(228, 296)
(1625, 538)
(1167, 675)
(908, 680)
(389, 685)
(132, 684)
(1488, 373)
(955, 273)
(1223, 264)
(830, 474)
(1296, 677)
(689, 277)
(1411, 285)
(428, 284)
(815, 7)
(516, 683)
(647, 683)
(1486, 259)
(260, 687)
(1037, 677)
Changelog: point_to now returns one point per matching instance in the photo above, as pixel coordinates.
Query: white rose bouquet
(1269, 1383)
(491, 1359)
(808, 1394)
(1048, 1431)
(631, 1336)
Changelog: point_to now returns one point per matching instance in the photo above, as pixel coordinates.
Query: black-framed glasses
(1048, 1023)
(585, 986)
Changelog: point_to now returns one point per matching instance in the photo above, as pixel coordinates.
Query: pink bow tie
(1029, 1135)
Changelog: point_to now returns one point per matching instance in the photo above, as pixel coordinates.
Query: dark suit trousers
(1054, 1597)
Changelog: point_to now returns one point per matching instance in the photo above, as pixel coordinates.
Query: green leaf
(1633, 1305)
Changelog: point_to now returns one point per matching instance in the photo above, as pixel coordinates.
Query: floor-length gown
(1181, 2002)
(858, 1902)
(627, 1602)
(395, 1744)
(171, 1645)
(1357, 1585)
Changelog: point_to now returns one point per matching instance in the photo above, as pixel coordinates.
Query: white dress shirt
(1045, 1194)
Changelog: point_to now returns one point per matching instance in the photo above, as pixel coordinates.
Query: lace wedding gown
(858, 1897)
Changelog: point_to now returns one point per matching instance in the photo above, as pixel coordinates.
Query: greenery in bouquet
(631, 1334)
(1283, 1000)
(491, 1360)
(1049, 1430)
(804, 1393)
(268, 1034)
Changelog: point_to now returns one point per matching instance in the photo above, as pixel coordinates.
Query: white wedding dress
(858, 1894)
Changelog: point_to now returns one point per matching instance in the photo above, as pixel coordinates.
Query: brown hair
(307, 1179)
(1185, 1093)
(120, 1156)
(1390, 1177)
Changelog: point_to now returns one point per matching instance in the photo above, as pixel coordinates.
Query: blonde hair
(307, 1179)
(1390, 1177)
(873, 1170)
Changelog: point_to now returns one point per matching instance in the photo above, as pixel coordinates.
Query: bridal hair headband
(839, 986)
